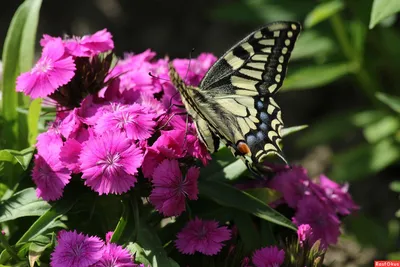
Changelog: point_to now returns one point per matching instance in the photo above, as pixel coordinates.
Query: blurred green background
(343, 81)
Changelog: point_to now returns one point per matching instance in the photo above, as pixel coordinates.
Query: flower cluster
(79, 250)
(130, 126)
(316, 204)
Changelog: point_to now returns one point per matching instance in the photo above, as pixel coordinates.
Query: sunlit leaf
(21, 204)
(315, 76)
(395, 186)
(323, 11)
(312, 44)
(23, 157)
(364, 160)
(33, 120)
(382, 9)
(294, 129)
(390, 100)
(228, 196)
(382, 128)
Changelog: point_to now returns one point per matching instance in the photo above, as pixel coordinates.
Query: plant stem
(8, 248)
(367, 84)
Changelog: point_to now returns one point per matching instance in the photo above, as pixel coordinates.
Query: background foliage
(342, 81)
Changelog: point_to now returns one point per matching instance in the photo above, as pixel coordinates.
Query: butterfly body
(234, 101)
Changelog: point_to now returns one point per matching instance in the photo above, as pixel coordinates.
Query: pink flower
(339, 195)
(202, 236)
(90, 45)
(268, 257)
(197, 68)
(324, 223)
(109, 236)
(109, 163)
(69, 155)
(76, 250)
(304, 233)
(115, 256)
(294, 184)
(49, 174)
(136, 121)
(52, 70)
(171, 189)
(70, 124)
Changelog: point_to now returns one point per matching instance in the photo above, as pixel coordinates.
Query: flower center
(43, 65)
(110, 162)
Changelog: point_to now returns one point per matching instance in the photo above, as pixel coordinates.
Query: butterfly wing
(243, 82)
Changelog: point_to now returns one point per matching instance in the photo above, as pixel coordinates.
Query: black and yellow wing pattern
(234, 101)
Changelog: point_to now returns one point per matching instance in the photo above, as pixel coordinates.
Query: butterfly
(234, 102)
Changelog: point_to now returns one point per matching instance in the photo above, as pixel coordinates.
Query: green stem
(8, 248)
(367, 84)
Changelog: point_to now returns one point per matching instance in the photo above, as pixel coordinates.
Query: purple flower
(90, 45)
(194, 72)
(268, 257)
(202, 236)
(136, 121)
(115, 256)
(171, 189)
(304, 233)
(53, 70)
(76, 250)
(110, 162)
(338, 195)
(324, 223)
(49, 174)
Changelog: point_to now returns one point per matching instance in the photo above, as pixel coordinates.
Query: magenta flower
(304, 233)
(197, 68)
(202, 236)
(324, 223)
(69, 155)
(136, 121)
(90, 45)
(171, 189)
(115, 256)
(70, 124)
(110, 162)
(76, 250)
(338, 195)
(268, 257)
(294, 184)
(49, 174)
(53, 70)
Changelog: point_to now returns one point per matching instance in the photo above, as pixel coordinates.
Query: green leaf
(293, 129)
(228, 196)
(47, 220)
(393, 256)
(316, 76)
(23, 157)
(230, 172)
(392, 101)
(322, 12)
(21, 204)
(312, 44)
(138, 251)
(395, 186)
(222, 158)
(364, 160)
(18, 53)
(381, 129)
(33, 120)
(382, 9)
(38, 246)
(247, 231)
(152, 246)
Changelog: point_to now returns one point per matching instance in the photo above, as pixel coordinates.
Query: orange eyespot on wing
(243, 148)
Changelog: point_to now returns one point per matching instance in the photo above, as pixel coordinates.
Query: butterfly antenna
(157, 77)
(190, 60)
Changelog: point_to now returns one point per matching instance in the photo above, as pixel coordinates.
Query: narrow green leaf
(21, 204)
(33, 120)
(10, 72)
(247, 231)
(230, 172)
(222, 158)
(393, 256)
(312, 44)
(138, 251)
(23, 157)
(316, 76)
(364, 160)
(322, 12)
(293, 129)
(47, 220)
(382, 9)
(152, 246)
(228, 196)
(392, 101)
